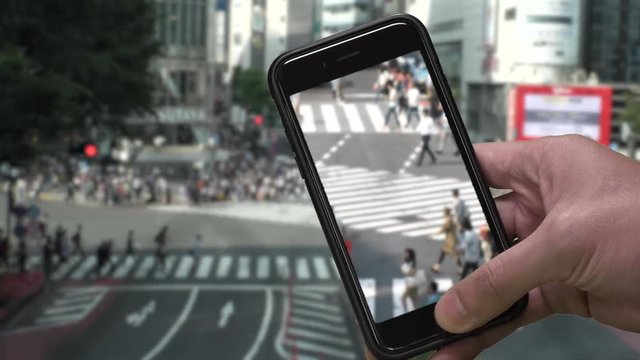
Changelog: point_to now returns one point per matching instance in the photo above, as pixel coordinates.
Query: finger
(518, 221)
(509, 165)
(471, 347)
(498, 284)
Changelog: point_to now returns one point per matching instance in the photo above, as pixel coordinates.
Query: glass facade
(181, 22)
(612, 39)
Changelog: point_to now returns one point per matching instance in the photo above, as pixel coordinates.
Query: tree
(250, 91)
(67, 65)
(631, 115)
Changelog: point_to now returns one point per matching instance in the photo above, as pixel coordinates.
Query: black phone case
(321, 203)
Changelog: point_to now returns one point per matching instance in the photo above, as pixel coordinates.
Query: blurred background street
(150, 207)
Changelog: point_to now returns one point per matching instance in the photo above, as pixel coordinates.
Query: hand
(575, 207)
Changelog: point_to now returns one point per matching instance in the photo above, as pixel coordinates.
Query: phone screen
(400, 192)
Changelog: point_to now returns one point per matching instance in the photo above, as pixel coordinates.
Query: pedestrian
(71, 192)
(161, 257)
(486, 244)
(161, 237)
(130, 248)
(336, 90)
(22, 256)
(413, 99)
(64, 246)
(47, 256)
(76, 240)
(380, 85)
(449, 229)
(433, 295)
(471, 250)
(426, 129)
(460, 209)
(4, 249)
(197, 245)
(101, 257)
(392, 105)
(409, 297)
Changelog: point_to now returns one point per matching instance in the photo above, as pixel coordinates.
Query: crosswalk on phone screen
(399, 190)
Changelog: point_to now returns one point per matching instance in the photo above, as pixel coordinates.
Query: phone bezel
(315, 64)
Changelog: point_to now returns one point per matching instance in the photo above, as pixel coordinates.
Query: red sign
(542, 110)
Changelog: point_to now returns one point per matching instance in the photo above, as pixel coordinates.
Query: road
(263, 285)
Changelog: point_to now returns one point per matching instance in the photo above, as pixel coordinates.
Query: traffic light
(90, 150)
(258, 120)
(87, 150)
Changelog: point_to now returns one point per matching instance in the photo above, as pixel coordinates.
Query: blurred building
(486, 46)
(259, 30)
(184, 74)
(612, 40)
(339, 15)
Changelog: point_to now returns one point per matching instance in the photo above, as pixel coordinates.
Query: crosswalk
(315, 327)
(70, 305)
(391, 203)
(357, 117)
(203, 267)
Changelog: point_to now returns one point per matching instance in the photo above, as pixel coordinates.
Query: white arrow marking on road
(225, 313)
(137, 318)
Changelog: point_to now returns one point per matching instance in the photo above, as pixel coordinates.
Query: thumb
(498, 284)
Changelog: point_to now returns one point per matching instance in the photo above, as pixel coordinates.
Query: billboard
(541, 110)
(549, 31)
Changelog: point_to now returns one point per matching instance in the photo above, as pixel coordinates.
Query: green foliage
(631, 112)
(64, 64)
(250, 91)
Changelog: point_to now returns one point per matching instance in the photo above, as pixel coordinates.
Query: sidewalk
(16, 290)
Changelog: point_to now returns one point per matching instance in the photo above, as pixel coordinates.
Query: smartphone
(392, 175)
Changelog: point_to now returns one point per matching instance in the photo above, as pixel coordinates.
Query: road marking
(316, 305)
(330, 118)
(144, 268)
(224, 266)
(84, 267)
(308, 294)
(318, 315)
(184, 267)
(124, 268)
(369, 290)
(188, 307)
(315, 335)
(137, 318)
(168, 267)
(301, 321)
(64, 309)
(375, 224)
(244, 265)
(375, 115)
(302, 269)
(64, 269)
(370, 178)
(204, 267)
(262, 267)
(264, 326)
(59, 319)
(321, 349)
(72, 300)
(321, 267)
(353, 117)
(307, 123)
(282, 266)
(226, 312)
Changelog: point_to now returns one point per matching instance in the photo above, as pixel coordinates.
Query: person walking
(450, 231)
(392, 109)
(76, 240)
(413, 99)
(47, 257)
(427, 129)
(486, 244)
(460, 209)
(470, 248)
(130, 247)
(409, 297)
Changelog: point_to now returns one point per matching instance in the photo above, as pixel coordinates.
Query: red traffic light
(90, 150)
(258, 120)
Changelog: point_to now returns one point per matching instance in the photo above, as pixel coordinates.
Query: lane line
(353, 118)
(301, 321)
(143, 269)
(330, 118)
(184, 266)
(264, 326)
(322, 271)
(316, 335)
(262, 271)
(224, 266)
(322, 306)
(184, 315)
(84, 267)
(244, 267)
(307, 123)
(302, 269)
(282, 266)
(375, 115)
(321, 349)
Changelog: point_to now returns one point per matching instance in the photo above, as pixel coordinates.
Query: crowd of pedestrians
(467, 248)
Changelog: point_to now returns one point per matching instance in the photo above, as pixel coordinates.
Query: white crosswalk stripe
(391, 203)
(186, 267)
(70, 305)
(354, 117)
